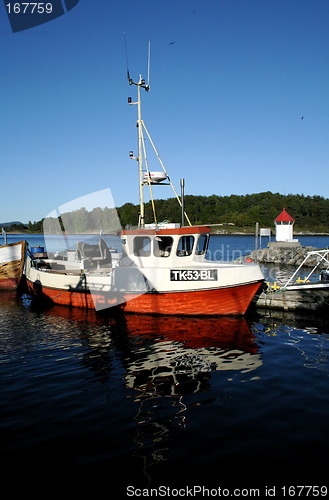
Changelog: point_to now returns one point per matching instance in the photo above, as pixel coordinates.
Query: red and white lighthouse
(284, 224)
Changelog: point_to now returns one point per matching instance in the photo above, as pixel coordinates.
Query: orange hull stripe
(222, 301)
(232, 300)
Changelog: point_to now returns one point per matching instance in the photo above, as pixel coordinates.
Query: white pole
(182, 184)
(140, 154)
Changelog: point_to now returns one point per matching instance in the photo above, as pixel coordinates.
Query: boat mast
(141, 150)
(141, 84)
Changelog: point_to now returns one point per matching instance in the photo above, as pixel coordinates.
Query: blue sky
(224, 109)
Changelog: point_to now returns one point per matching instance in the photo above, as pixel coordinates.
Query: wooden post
(4, 234)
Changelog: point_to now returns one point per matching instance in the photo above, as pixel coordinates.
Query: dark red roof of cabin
(284, 217)
(177, 230)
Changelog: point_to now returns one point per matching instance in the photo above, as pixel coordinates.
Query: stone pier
(286, 255)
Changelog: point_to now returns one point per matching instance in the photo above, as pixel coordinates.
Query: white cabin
(171, 245)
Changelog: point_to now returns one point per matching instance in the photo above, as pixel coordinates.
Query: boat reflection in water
(168, 356)
(184, 352)
(172, 378)
(172, 369)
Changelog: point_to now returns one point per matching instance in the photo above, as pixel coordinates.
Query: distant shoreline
(220, 232)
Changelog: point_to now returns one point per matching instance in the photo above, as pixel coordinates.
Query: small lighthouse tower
(284, 224)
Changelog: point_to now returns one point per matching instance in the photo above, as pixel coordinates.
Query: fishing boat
(162, 268)
(12, 257)
(307, 289)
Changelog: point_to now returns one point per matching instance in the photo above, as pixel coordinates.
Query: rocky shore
(290, 256)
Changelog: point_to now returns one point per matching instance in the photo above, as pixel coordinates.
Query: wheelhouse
(186, 243)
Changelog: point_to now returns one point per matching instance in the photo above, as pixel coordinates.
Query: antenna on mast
(148, 65)
(128, 74)
(141, 82)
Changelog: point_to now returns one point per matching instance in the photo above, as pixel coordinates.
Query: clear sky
(225, 107)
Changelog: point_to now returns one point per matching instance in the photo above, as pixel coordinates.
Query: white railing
(323, 258)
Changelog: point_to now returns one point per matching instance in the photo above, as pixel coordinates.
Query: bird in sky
(171, 43)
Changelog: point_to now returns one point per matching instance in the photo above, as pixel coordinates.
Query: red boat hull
(9, 283)
(221, 301)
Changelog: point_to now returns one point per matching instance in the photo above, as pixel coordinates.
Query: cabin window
(142, 246)
(162, 246)
(185, 246)
(202, 244)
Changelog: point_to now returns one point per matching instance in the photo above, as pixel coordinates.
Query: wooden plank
(10, 269)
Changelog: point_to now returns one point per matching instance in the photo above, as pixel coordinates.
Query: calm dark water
(144, 401)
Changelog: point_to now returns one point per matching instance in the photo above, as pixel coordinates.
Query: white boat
(12, 258)
(301, 293)
(161, 270)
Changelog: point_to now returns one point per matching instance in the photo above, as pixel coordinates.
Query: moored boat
(12, 257)
(154, 275)
(161, 270)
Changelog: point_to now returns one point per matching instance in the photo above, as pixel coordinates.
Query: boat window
(185, 246)
(142, 246)
(202, 244)
(162, 246)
